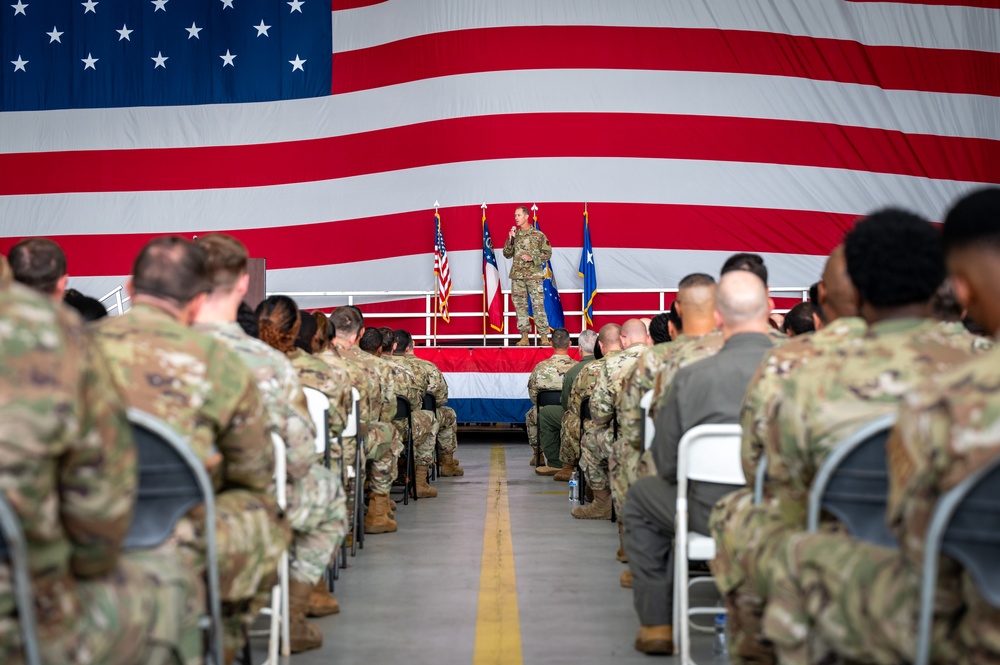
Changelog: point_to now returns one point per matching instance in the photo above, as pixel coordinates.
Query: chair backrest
(711, 454)
(647, 426)
(280, 470)
(852, 484)
(402, 408)
(14, 552)
(759, 479)
(548, 398)
(585, 409)
(172, 480)
(319, 412)
(429, 403)
(354, 419)
(966, 527)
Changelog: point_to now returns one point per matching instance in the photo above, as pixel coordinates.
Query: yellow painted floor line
(498, 627)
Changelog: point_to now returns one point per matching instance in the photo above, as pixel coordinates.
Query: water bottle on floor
(720, 649)
(574, 484)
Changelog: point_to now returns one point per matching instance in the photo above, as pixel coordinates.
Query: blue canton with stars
(105, 53)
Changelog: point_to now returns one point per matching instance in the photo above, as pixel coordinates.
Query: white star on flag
(89, 6)
(160, 4)
(90, 61)
(297, 63)
(227, 59)
(590, 257)
(193, 31)
(19, 64)
(160, 60)
(262, 29)
(227, 3)
(124, 33)
(296, 5)
(19, 9)
(55, 35)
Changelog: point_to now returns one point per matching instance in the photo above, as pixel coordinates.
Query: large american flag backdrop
(691, 129)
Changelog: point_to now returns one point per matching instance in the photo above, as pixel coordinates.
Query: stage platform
(487, 384)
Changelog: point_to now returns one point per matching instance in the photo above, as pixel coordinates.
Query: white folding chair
(278, 610)
(648, 428)
(353, 428)
(706, 453)
(14, 553)
(319, 412)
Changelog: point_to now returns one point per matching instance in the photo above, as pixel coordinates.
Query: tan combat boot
(377, 518)
(321, 601)
(598, 509)
(565, 473)
(534, 456)
(524, 341)
(620, 555)
(545, 341)
(424, 491)
(655, 639)
(449, 467)
(303, 636)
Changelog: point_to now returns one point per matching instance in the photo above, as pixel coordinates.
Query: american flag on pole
(491, 280)
(441, 270)
(723, 126)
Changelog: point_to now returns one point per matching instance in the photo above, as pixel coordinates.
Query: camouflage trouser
(549, 426)
(531, 424)
(569, 437)
(594, 451)
(423, 436)
(317, 511)
(520, 291)
(447, 430)
(383, 446)
(136, 613)
(647, 466)
(832, 594)
(623, 469)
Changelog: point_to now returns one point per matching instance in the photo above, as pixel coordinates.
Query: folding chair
(581, 477)
(355, 474)
(172, 481)
(647, 428)
(14, 552)
(706, 453)
(544, 398)
(966, 527)
(319, 412)
(759, 479)
(852, 484)
(404, 412)
(430, 404)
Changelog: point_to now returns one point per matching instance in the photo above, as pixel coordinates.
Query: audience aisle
(414, 596)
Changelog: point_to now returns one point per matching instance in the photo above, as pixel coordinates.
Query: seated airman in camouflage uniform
(68, 468)
(382, 444)
(200, 387)
(603, 407)
(835, 596)
(547, 375)
(444, 432)
(550, 418)
(895, 264)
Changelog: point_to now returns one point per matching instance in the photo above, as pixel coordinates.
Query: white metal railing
(118, 299)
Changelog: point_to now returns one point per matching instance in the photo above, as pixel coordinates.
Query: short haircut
(894, 258)
(560, 338)
(610, 334)
(403, 341)
(695, 279)
(675, 318)
(357, 310)
(658, 329)
(346, 321)
(973, 220)
(388, 339)
(746, 261)
(278, 322)
(799, 319)
(587, 341)
(526, 210)
(226, 259)
(814, 293)
(371, 341)
(90, 309)
(306, 338)
(172, 268)
(39, 263)
(741, 298)
(247, 318)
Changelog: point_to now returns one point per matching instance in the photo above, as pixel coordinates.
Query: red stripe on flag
(488, 137)
(340, 5)
(492, 360)
(674, 49)
(985, 4)
(662, 227)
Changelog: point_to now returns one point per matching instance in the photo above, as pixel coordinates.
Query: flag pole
(583, 314)
(484, 282)
(437, 282)
(534, 219)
